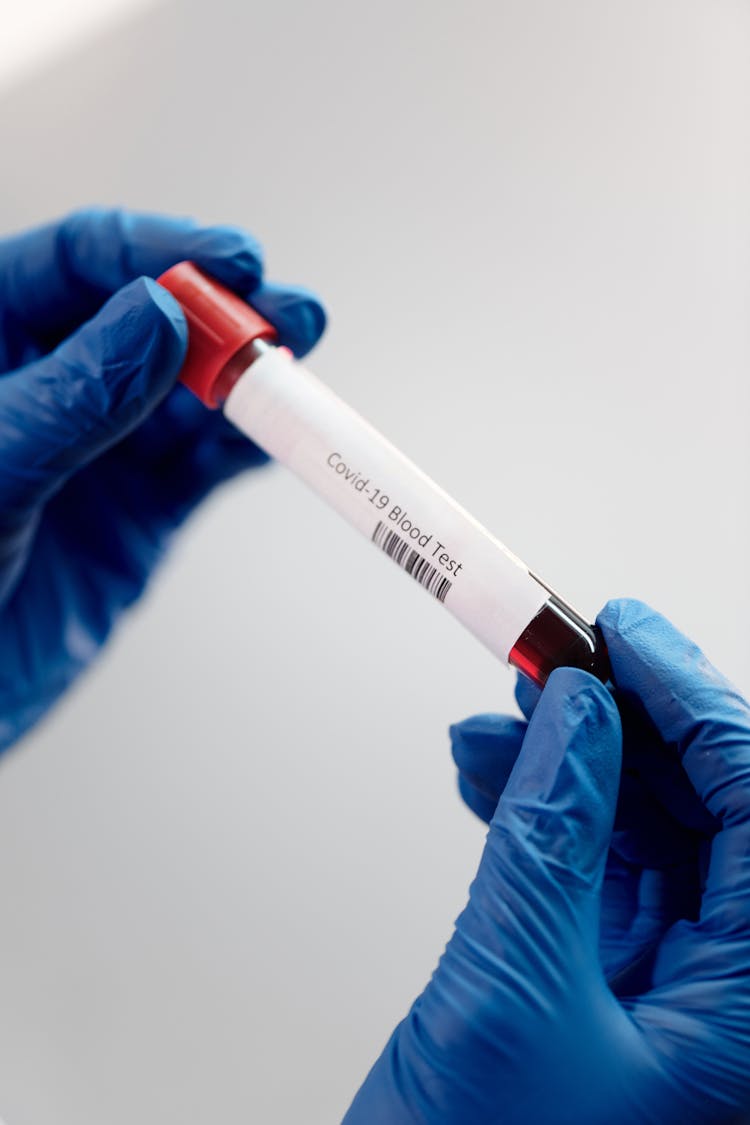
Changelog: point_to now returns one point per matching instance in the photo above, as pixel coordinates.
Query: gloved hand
(660, 837)
(101, 456)
(518, 1023)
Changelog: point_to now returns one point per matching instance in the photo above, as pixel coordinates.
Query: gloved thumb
(59, 412)
(534, 907)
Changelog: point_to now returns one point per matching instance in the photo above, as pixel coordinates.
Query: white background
(231, 858)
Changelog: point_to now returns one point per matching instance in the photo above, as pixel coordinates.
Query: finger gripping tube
(221, 328)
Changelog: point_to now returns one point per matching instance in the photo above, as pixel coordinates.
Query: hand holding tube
(519, 1023)
(100, 458)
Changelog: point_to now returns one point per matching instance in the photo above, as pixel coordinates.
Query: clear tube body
(300, 422)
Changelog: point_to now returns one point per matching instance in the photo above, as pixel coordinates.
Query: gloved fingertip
(573, 682)
(562, 793)
(168, 306)
(485, 749)
(460, 748)
(576, 698)
(637, 640)
(152, 328)
(578, 712)
(230, 254)
(487, 729)
(479, 803)
(575, 719)
(312, 321)
(296, 313)
(99, 383)
(466, 728)
(126, 357)
(620, 614)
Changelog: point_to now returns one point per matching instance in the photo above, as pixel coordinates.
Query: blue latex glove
(101, 456)
(518, 1023)
(659, 841)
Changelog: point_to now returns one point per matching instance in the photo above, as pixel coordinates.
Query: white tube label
(300, 422)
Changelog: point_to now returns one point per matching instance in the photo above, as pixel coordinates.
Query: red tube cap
(221, 326)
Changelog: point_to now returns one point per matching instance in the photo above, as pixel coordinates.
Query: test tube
(233, 364)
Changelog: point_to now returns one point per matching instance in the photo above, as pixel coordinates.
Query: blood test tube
(233, 364)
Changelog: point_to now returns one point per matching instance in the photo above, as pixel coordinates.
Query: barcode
(412, 562)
